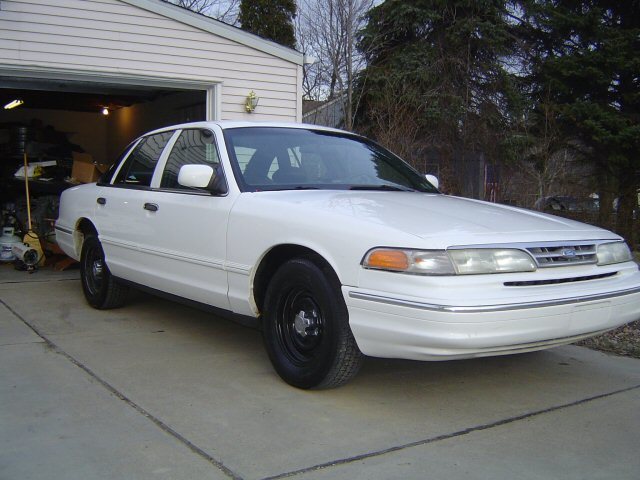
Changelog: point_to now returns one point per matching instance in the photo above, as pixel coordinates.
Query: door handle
(101, 200)
(152, 207)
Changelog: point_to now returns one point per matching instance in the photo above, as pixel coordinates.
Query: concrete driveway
(159, 390)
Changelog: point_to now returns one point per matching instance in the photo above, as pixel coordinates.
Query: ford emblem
(568, 253)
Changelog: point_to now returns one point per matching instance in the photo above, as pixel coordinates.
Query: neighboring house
(150, 63)
(329, 113)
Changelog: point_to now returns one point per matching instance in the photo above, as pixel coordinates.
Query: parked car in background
(567, 203)
(337, 249)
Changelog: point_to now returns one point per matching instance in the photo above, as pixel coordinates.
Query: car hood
(442, 219)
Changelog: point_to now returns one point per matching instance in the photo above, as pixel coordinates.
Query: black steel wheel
(100, 288)
(306, 326)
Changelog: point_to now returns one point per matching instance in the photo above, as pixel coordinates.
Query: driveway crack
(111, 389)
(447, 436)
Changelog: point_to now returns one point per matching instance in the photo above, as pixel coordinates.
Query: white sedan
(336, 248)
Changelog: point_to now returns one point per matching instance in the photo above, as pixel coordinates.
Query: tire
(306, 327)
(100, 288)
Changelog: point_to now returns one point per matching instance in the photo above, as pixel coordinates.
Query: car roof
(227, 124)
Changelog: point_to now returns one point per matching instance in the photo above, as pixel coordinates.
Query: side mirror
(195, 176)
(432, 179)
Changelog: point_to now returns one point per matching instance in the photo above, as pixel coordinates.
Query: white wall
(110, 38)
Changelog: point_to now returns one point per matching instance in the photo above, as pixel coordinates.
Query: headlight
(452, 262)
(480, 260)
(421, 262)
(614, 252)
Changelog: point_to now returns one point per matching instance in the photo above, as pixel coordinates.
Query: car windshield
(276, 158)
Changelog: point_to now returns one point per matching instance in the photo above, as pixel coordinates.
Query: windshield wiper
(389, 188)
(277, 188)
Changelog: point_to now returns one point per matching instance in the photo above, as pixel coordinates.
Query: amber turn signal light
(387, 260)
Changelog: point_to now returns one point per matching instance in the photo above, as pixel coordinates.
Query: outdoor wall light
(105, 111)
(13, 104)
(252, 102)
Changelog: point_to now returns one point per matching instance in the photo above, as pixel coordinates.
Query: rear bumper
(395, 327)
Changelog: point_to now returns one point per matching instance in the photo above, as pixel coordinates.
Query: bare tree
(223, 10)
(327, 30)
(547, 165)
(394, 121)
(312, 76)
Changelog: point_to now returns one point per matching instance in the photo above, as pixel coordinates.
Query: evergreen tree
(436, 72)
(584, 66)
(270, 19)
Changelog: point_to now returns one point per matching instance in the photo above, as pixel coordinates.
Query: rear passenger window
(193, 147)
(138, 169)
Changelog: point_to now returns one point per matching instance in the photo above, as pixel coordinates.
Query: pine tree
(585, 64)
(270, 19)
(436, 71)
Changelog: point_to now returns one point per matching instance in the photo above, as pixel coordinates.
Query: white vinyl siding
(113, 38)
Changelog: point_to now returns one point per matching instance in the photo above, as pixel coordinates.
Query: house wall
(330, 114)
(109, 38)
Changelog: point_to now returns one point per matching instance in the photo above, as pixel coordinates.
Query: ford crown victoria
(337, 249)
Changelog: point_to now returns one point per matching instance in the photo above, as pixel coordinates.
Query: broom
(31, 237)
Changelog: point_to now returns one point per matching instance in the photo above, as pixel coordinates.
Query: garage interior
(62, 123)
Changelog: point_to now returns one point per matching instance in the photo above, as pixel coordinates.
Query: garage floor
(159, 390)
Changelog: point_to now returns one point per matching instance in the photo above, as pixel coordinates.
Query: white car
(336, 248)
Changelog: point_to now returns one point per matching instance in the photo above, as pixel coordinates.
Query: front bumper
(395, 327)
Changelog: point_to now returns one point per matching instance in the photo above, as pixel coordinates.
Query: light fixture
(252, 102)
(13, 104)
(105, 111)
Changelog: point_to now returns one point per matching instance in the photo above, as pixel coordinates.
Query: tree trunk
(606, 194)
(349, 25)
(627, 202)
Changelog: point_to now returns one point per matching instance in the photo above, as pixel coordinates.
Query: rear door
(121, 215)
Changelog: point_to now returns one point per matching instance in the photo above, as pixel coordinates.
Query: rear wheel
(306, 327)
(100, 288)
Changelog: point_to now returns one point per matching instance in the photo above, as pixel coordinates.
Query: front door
(190, 225)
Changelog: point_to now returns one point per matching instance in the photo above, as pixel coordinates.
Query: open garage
(81, 79)
(96, 117)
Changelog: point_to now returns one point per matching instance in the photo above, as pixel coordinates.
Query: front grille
(563, 255)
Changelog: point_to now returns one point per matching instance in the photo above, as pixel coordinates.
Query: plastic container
(6, 243)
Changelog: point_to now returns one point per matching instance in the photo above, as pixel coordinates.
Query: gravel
(624, 340)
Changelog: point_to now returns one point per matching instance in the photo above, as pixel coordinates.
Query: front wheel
(101, 290)
(306, 327)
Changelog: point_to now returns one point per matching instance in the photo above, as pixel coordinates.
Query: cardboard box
(84, 169)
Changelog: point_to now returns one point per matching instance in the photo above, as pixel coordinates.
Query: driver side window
(193, 147)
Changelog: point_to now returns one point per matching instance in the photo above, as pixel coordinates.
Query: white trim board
(213, 89)
(97, 76)
(216, 27)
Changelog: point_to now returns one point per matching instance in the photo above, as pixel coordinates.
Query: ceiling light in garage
(13, 104)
